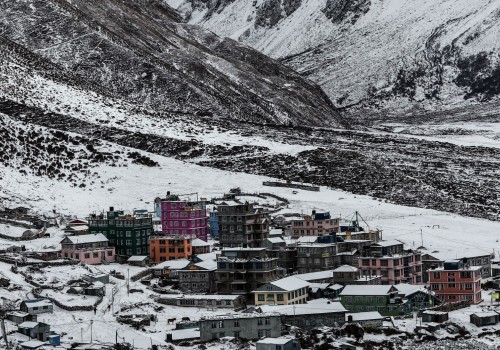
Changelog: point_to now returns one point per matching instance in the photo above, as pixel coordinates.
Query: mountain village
(239, 268)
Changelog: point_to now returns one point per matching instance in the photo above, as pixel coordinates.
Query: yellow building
(286, 291)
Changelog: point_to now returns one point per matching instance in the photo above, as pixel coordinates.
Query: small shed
(19, 317)
(96, 289)
(37, 306)
(487, 318)
(434, 316)
(35, 330)
(370, 318)
(138, 260)
(278, 344)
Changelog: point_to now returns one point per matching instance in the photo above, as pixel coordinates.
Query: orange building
(456, 282)
(164, 248)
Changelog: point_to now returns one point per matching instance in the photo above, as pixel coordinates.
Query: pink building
(183, 218)
(389, 260)
(90, 249)
(317, 224)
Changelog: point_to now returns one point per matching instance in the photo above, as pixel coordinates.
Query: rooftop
(199, 243)
(137, 258)
(28, 324)
(387, 243)
(366, 289)
(92, 238)
(365, 316)
(311, 276)
(346, 268)
(172, 264)
(275, 341)
(304, 309)
(288, 284)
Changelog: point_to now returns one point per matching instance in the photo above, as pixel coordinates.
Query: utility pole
(91, 321)
(81, 334)
(116, 337)
(128, 281)
(4, 332)
(421, 237)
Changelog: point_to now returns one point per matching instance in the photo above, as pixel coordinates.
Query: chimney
(349, 318)
(111, 208)
(168, 193)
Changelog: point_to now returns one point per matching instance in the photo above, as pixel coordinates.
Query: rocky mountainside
(372, 57)
(141, 52)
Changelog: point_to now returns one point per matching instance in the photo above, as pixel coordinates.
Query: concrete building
(170, 247)
(316, 257)
(277, 344)
(200, 246)
(314, 314)
(214, 223)
(199, 277)
(37, 306)
(456, 281)
(90, 249)
(366, 319)
(287, 256)
(127, 233)
(242, 225)
(472, 257)
(244, 326)
(347, 274)
(381, 298)
(389, 260)
(180, 217)
(242, 270)
(316, 224)
(216, 301)
(285, 291)
(169, 270)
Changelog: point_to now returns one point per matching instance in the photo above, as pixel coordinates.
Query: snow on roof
(289, 283)
(32, 344)
(207, 264)
(92, 238)
(387, 243)
(38, 302)
(486, 314)
(408, 289)
(311, 276)
(275, 341)
(346, 268)
(185, 334)
(457, 253)
(28, 324)
(307, 239)
(243, 249)
(365, 316)
(78, 228)
(201, 296)
(199, 243)
(336, 287)
(208, 256)
(276, 240)
(304, 309)
(229, 202)
(137, 258)
(366, 289)
(18, 313)
(178, 264)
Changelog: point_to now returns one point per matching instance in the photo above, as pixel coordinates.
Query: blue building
(214, 223)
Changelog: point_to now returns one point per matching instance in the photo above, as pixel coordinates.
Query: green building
(129, 234)
(381, 298)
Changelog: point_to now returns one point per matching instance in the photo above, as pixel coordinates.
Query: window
(261, 334)
(236, 334)
(280, 297)
(95, 254)
(221, 324)
(267, 321)
(268, 333)
(87, 255)
(259, 321)
(261, 297)
(237, 323)
(437, 275)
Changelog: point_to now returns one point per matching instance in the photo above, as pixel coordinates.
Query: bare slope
(141, 52)
(383, 56)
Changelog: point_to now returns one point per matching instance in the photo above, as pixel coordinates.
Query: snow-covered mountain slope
(387, 56)
(141, 52)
